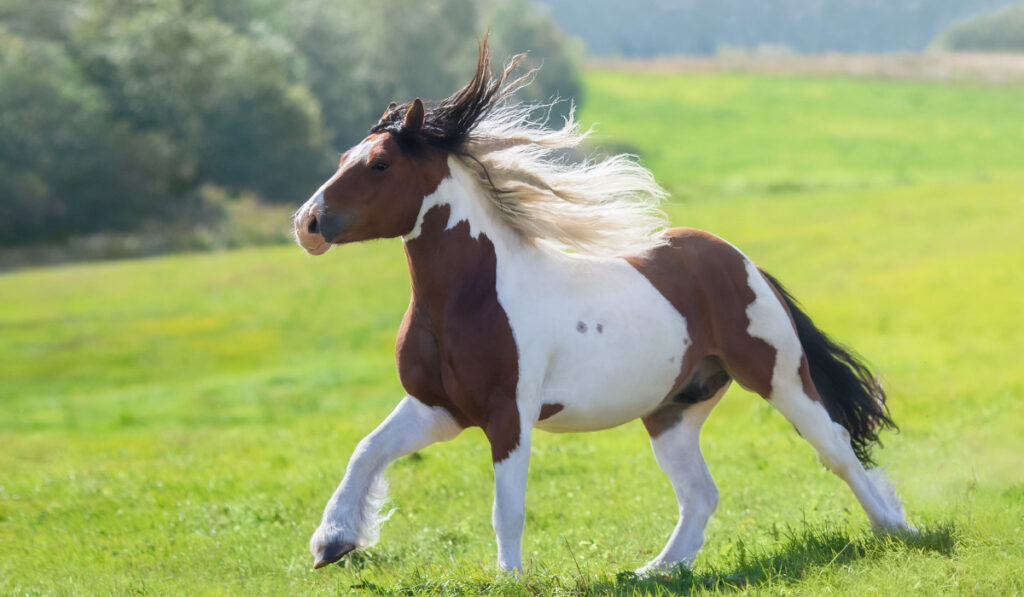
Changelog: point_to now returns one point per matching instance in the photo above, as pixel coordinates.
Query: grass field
(175, 425)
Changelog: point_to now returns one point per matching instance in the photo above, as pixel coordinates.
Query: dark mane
(450, 122)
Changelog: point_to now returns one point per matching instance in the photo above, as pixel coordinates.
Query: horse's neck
(453, 250)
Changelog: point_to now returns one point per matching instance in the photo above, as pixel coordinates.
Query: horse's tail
(852, 394)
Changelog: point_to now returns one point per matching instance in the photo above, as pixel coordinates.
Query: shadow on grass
(800, 553)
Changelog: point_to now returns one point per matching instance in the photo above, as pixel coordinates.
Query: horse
(547, 293)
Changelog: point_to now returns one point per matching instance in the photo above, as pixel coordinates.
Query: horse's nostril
(314, 226)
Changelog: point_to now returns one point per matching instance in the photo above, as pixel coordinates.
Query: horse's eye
(380, 166)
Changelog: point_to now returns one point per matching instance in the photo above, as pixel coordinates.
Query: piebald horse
(547, 294)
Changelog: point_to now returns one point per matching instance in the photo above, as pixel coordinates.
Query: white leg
(509, 513)
(770, 322)
(677, 451)
(832, 442)
(350, 519)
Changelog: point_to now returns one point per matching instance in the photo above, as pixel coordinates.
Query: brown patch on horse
(550, 410)
(705, 279)
(456, 349)
(662, 419)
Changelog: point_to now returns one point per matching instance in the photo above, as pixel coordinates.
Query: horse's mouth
(320, 249)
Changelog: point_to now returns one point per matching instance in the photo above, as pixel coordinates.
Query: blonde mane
(607, 206)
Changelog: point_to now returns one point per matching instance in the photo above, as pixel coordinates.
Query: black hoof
(332, 552)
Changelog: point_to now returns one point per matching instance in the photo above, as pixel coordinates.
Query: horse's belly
(623, 377)
(606, 351)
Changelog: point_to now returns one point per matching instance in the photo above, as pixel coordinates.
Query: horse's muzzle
(329, 226)
(309, 229)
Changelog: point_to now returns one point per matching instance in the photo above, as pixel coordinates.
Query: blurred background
(181, 386)
(133, 127)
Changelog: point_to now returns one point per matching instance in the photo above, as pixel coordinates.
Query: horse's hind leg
(770, 363)
(677, 450)
(832, 442)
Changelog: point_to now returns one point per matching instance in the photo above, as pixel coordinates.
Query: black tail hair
(852, 394)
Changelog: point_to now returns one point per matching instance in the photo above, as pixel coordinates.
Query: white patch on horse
(677, 451)
(360, 153)
(352, 514)
(770, 322)
(463, 208)
(509, 513)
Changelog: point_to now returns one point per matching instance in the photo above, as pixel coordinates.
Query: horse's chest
(594, 337)
(462, 358)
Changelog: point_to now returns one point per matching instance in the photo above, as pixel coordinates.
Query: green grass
(734, 133)
(175, 425)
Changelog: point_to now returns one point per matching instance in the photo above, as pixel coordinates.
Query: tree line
(663, 27)
(999, 31)
(116, 113)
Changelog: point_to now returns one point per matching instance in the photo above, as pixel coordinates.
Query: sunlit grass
(175, 425)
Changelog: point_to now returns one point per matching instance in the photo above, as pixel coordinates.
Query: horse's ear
(414, 117)
(388, 110)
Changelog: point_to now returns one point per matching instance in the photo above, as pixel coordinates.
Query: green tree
(114, 113)
(233, 105)
(361, 56)
(65, 165)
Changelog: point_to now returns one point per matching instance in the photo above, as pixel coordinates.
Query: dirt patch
(941, 66)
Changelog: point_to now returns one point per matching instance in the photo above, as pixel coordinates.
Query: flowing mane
(607, 207)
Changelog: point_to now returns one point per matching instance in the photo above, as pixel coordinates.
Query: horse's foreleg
(677, 450)
(351, 517)
(510, 471)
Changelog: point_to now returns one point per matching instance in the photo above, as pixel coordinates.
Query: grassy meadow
(175, 425)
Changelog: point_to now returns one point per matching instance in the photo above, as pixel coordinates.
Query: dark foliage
(119, 115)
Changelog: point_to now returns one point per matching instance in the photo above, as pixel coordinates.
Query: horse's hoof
(657, 568)
(332, 552)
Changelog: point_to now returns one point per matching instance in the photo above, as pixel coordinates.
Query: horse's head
(380, 184)
(378, 188)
